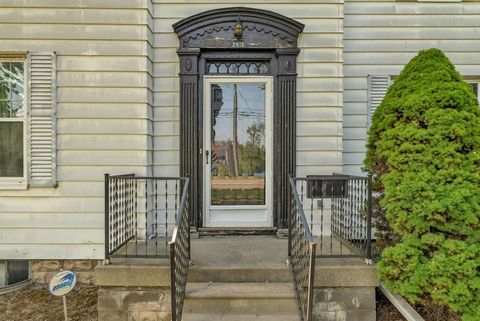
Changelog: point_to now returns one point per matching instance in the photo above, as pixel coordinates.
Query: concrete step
(240, 299)
(219, 274)
(237, 317)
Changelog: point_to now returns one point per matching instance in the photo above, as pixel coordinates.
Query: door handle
(207, 154)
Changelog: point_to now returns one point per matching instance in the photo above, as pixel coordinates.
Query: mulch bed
(430, 311)
(386, 311)
(35, 303)
(435, 312)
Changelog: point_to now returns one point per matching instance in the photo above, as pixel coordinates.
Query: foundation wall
(43, 270)
(344, 304)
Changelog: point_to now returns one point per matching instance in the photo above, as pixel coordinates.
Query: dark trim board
(228, 231)
(238, 34)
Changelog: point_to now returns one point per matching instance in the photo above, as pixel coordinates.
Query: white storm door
(237, 151)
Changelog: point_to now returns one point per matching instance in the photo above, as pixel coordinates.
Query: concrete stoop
(240, 301)
(235, 279)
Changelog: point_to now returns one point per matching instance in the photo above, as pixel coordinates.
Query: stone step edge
(238, 317)
(250, 290)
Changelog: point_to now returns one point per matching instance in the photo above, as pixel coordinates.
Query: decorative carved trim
(188, 64)
(238, 28)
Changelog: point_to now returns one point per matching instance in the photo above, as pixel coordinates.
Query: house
(151, 87)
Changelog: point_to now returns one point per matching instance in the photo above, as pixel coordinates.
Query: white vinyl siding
(381, 36)
(103, 66)
(319, 84)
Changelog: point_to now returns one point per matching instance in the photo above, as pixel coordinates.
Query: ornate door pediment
(238, 28)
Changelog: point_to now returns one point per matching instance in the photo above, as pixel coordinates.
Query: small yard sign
(61, 284)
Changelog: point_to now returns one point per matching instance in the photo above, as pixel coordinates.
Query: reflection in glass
(238, 144)
(232, 69)
(11, 128)
(11, 147)
(11, 90)
(243, 69)
(263, 69)
(222, 69)
(212, 69)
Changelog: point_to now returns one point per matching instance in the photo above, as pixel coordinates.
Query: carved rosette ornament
(188, 64)
(288, 66)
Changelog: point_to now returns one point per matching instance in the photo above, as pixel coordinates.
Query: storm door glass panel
(238, 144)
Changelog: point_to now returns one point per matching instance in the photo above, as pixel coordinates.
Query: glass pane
(11, 147)
(16, 108)
(11, 90)
(232, 69)
(212, 69)
(17, 81)
(243, 69)
(4, 109)
(222, 69)
(238, 144)
(4, 89)
(253, 69)
(263, 69)
(4, 69)
(474, 88)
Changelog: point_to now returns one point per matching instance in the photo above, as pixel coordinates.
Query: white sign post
(61, 284)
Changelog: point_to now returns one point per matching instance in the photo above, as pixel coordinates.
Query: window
(475, 89)
(12, 122)
(378, 86)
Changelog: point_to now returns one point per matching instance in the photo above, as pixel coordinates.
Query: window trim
(474, 81)
(19, 182)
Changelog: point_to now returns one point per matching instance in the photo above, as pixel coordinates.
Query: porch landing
(239, 259)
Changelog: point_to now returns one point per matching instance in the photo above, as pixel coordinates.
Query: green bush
(423, 150)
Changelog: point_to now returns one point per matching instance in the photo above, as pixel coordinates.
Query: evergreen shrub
(424, 153)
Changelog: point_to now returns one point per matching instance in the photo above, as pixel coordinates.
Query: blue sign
(62, 283)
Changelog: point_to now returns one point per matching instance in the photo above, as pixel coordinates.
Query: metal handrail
(180, 255)
(301, 255)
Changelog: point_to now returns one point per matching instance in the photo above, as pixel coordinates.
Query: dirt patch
(386, 311)
(435, 312)
(430, 311)
(35, 303)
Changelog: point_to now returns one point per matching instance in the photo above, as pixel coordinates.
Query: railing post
(107, 215)
(311, 280)
(172, 282)
(369, 218)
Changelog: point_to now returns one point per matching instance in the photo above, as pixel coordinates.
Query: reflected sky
(251, 110)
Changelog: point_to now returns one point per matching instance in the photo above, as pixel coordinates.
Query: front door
(237, 151)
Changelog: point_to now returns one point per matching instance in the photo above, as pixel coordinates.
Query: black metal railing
(301, 254)
(180, 255)
(338, 209)
(140, 214)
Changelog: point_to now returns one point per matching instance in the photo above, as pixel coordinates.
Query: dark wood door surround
(238, 35)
